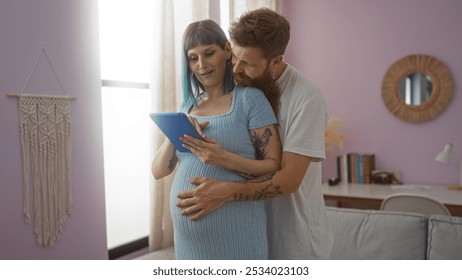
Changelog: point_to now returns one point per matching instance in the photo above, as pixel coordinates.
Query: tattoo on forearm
(243, 174)
(171, 162)
(261, 142)
(267, 191)
(263, 178)
(276, 128)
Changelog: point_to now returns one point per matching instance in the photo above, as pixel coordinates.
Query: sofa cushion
(444, 238)
(374, 235)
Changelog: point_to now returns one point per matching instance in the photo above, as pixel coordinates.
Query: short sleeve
(305, 132)
(259, 111)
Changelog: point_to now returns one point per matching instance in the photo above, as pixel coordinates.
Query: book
(369, 166)
(359, 169)
(339, 169)
(342, 168)
(355, 168)
(351, 168)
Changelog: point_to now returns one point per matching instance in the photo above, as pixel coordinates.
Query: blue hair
(205, 32)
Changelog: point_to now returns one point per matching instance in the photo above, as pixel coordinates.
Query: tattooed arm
(211, 194)
(265, 139)
(267, 158)
(164, 161)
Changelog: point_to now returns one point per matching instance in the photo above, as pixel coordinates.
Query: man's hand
(208, 196)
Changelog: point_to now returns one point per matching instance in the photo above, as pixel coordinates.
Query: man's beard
(264, 83)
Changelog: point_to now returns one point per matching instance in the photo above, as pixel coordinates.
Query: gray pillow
(377, 235)
(444, 238)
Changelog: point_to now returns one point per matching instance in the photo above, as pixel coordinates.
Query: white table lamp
(445, 157)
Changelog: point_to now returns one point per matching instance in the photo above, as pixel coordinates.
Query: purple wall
(69, 32)
(347, 46)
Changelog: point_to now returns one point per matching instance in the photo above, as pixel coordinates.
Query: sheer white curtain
(237, 7)
(172, 18)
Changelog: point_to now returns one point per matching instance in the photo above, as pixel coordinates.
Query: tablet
(175, 125)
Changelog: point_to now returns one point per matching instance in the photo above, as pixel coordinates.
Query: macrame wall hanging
(46, 140)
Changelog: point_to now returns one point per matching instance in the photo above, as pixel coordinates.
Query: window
(126, 31)
(125, 46)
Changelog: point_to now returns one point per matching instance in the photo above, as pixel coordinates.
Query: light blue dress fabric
(236, 230)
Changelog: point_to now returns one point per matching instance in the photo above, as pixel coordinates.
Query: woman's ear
(228, 50)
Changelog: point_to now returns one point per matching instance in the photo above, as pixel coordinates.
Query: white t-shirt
(297, 223)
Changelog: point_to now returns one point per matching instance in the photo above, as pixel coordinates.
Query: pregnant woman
(240, 128)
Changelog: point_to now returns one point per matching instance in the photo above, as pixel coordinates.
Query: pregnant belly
(230, 215)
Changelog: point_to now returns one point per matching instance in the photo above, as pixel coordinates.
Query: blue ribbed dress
(237, 230)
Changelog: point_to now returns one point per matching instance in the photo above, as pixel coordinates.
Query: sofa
(382, 235)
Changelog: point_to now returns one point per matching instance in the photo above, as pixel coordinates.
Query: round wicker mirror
(399, 88)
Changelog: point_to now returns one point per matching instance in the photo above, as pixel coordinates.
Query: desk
(370, 196)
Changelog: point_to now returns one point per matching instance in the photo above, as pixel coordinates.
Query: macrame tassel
(45, 124)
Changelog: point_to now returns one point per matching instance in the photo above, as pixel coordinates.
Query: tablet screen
(175, 125)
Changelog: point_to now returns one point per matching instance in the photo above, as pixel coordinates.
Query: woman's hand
(209, 151)
(198, 126)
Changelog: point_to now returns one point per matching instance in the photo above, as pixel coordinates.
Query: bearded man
(297, 222)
